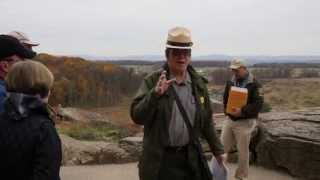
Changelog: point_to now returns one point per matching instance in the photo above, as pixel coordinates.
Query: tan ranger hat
(23, 38)
(179, 38)
(237, 63)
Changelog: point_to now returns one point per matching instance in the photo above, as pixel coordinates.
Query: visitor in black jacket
(30, 148)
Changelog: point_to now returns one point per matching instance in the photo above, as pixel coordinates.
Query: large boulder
(291, 141)
(133, 145)
(285, 140)
(217, 106)
(81, 115)
(282, 140)
(75, 152)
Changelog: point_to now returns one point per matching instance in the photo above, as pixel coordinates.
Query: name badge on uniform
(202, 100)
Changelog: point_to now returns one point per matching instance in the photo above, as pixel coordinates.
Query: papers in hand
(238, 98)
(219, 171)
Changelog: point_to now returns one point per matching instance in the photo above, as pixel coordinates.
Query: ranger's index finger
(170, 81)
(163, 75)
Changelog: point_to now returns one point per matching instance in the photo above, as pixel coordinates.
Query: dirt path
(130, 172)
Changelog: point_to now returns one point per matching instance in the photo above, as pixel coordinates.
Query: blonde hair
(29, 77)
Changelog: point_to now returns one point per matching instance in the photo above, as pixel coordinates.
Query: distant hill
(215, 57)
(198, 63)
(282, 59)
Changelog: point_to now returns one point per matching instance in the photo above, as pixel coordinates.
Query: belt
(176, 148)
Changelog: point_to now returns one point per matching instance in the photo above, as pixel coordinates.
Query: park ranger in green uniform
(167, 152)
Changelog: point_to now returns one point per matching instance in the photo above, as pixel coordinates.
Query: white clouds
(123, 27)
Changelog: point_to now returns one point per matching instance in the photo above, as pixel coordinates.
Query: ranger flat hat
(179, 38)
(237, 63)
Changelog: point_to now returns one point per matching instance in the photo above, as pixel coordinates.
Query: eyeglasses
(181, 52)
(235, 70)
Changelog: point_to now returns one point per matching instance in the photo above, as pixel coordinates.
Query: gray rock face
(77, 152)
(291, 141)
(286, 140)
(133, 145)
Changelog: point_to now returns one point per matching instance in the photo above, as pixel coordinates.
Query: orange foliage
(79, 82)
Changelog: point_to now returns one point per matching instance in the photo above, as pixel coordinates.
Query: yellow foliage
(79, 82)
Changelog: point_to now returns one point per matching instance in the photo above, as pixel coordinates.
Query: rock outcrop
(132, 145)
(77, 152)
(283, 140)
(291, 141)
(81, 115)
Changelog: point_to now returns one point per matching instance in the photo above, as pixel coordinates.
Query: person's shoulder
(39, 119)
(253, 81)
(204, 79)
(195, 75)
(153, 76)
(2, 83)
(3, 117)
(43, 125)
(229, 83)
(2, 88)
(256, 83)
(46, 129)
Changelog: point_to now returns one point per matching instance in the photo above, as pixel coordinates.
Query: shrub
(266, 107)
(93, 131)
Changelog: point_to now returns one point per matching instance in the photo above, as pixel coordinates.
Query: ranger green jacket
(154, 112)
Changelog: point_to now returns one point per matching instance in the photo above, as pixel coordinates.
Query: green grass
(292, 94)
(93, 131)
(266, 107)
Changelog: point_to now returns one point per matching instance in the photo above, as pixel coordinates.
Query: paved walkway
(130, 172)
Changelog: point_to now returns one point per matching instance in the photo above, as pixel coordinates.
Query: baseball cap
(237, 63)
(11, 46)
(23, 38)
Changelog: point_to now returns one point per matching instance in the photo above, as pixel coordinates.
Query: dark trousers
(175, 166)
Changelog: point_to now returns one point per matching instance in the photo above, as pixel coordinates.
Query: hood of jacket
(20, 106)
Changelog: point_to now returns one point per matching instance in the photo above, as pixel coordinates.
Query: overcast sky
(136, 27)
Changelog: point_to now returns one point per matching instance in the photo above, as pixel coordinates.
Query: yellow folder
(238, 98)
